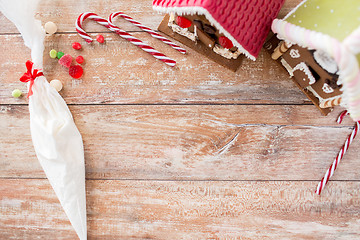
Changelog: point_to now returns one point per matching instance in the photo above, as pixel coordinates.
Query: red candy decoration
(66, 60)
(100, 38)
(225, 42)
(76, 71)
(79, 59)
(76, 46)
(183, 22)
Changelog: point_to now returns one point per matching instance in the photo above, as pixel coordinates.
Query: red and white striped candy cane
(146, 29)
(92, 16)
(341, 154)
(123, 34)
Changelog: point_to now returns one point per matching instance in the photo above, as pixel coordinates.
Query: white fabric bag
(57, 141)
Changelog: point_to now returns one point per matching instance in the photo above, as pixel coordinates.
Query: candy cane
(79, 21)
(123, 34)
(146, 29)
(341, 154)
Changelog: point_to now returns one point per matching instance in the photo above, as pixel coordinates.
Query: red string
(30, 76)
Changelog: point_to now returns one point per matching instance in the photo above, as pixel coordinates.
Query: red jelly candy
(76, 71)
(225, 42)
(183, 22)
(66, 60)
(76, 46)
(100, 38)
(79, 59)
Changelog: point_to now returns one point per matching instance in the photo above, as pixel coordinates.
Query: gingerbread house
(318, 43)
(221, 30)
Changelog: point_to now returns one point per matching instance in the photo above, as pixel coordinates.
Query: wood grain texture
(192, 142)
(64, 13)
(185, 210)
(191, 152)
(119, 72)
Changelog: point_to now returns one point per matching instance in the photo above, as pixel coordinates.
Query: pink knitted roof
(245, 22)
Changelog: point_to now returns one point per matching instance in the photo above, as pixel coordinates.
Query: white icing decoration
(268, 46)
(182, 31)
(226, 53)
(203, 11)
(172, 17)
(288, 44)
(325, 61)
(287, 67)
(294, 53)
(327, 89)
(320, 98)
(303, 67)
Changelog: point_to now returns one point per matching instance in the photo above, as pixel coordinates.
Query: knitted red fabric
(247, 21)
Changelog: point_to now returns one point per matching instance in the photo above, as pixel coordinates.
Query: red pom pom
(100, 38)
(76, 46)
(225, 42)
(66, 60)
(79, 59)
(183, 22)
(76, 71)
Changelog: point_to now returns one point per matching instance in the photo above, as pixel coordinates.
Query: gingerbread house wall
(307, 74)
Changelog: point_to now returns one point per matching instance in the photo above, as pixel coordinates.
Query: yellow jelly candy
(53, 53)
(16, 93)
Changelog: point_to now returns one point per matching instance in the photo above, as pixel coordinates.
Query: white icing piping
(303, 67)
(349, 74)
(327, 89)
(203, 11)
(226, 53)
(291, 73)
(182, 31)
(320, 98)
(287, 67)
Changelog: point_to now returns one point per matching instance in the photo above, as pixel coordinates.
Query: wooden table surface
(191, 152)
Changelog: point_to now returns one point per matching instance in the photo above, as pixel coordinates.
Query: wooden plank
(185, 210)
(119, 72)
(65, 12)
(192, 142)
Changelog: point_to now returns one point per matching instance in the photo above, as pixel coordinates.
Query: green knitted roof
(335, 18)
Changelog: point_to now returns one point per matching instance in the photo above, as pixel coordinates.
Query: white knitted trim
(203, 11)
(352, 42)
(348, 66)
